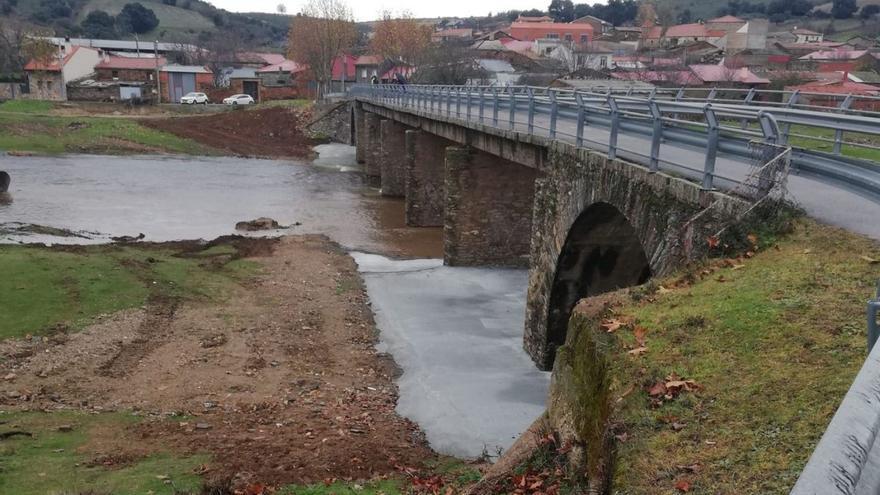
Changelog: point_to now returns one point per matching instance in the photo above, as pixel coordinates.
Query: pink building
(531, 31)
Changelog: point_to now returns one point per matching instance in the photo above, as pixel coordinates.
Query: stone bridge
(581, 223)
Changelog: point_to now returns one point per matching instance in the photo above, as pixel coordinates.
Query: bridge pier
(424, 179)
(360, 133)
(488, 216)
(392, 158)
(372, 148)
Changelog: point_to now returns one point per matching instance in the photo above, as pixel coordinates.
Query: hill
(179, 20)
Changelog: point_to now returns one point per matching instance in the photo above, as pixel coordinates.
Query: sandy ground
(281, 382)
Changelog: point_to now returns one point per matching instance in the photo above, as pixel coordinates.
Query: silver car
(193, 98)
(239, 100)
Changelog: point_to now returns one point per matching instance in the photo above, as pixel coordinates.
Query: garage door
(181, 84)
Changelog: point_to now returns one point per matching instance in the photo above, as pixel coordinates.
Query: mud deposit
(279, 382)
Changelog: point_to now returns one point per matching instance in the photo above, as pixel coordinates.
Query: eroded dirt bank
(273, 132)
(279, 382)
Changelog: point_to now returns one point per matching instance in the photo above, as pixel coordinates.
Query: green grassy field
(773, 343)
(47, 287)
(29, 126)
(56, 461)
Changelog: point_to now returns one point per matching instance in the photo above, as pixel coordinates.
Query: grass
(774, 342)
(298, 103)
(27, 106)
(31, 132)
(47, 287)
(54, 461)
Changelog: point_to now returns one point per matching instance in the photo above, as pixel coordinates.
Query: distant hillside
(699, 9)
(179, 20)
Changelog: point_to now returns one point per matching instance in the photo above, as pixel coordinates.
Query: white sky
(365, 10)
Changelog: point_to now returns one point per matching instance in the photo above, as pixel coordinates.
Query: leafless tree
(319, 34)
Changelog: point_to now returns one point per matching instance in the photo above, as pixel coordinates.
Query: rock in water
(5, 179)
(261, 223)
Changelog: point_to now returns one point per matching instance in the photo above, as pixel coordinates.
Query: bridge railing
(715, 128)
(567, 116)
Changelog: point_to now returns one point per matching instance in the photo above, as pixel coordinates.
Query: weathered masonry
(582, 223)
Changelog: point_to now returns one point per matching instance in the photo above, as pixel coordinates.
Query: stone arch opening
(602, 252)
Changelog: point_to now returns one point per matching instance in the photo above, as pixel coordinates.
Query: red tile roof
(369, 60)
(720, 73)
(725, 19)
(845, 87)
(130, 63)
(835, 55)
(694, 30)
(285, 66)
(53, 65)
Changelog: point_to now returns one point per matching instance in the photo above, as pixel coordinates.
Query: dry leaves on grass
(683, 486)
(670, 388)
(612, 325)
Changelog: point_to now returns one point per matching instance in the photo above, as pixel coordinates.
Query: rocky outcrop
(262, 223)
(5, 179)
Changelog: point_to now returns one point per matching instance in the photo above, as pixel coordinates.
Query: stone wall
(425, 179)
(392, 158)
(488, 217)
(360, 133)
(662, 211)
(333, 121)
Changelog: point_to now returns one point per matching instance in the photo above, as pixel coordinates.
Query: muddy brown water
(174, 198)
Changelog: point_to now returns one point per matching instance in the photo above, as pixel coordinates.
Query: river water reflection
(173, 198)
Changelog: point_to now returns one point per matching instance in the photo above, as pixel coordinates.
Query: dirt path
(281, 383)
(265, 132)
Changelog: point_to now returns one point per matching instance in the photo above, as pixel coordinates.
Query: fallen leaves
(611, 326)
(870, 260)
(638, 351)
(683, 486)
(670, 388)
(713, 242)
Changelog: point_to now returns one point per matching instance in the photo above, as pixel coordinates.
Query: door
(129, 92)
(251, 88)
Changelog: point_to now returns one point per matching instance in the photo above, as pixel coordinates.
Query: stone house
(285, 80)
(807, 36)
(367, 66)
(47, 79)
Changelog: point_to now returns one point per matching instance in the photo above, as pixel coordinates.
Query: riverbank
(47, 128)
(227, 364)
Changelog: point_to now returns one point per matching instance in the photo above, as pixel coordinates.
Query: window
(585, 38)
(114, 74)
(40, 84)
(552, 36)
(603, 62)
(48, 85)
(568, 37)
(364, 73)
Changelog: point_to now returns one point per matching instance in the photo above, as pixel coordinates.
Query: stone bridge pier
(582, 223)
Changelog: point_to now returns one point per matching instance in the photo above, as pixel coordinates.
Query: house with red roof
(688, 33)
(839, 60)
(118, 78)
(577, 33)
(803, 35)
(367, 66)
(721, 75)
(343, 73)
(285, 80)
(844, 86)
(129, 69)
(47, 79)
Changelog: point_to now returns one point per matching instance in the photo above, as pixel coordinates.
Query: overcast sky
(365, 10)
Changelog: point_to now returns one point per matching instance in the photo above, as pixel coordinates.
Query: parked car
(193, 98)
(239, 100)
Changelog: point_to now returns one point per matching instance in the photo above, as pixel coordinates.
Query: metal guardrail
(712, 128)
(873, 327)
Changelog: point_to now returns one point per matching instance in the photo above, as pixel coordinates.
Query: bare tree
(401, 38)
(319, 34)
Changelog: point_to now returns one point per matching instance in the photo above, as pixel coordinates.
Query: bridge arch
(602, 252)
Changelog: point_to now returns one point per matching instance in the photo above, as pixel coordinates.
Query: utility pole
(158, 83)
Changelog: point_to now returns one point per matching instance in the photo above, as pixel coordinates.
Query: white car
(193, 98)
(239, 100)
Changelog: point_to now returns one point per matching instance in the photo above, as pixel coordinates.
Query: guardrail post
(482, 104)
(656, 135)
(494, 106)
(770, 129)
(581, 118)
(554, 113)
(873, 311)
(458, 102)
(744, 123)
(711, 148)
(615, 127)
(786, 127)
(712, 93)
(511, 91)
(838, 134)
(531, 125)
(679, 95)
